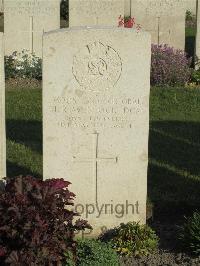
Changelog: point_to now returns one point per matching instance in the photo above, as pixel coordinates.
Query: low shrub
(169, 66)
(132, 239)
(23, 65)
(189, 234)
(190, 19)
(195, 77)
(36, 224)
(94, 252)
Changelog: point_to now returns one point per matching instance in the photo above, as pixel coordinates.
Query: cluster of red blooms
(128, 23)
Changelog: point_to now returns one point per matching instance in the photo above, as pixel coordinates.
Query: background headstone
(164, 19)
(191, 6)
(1, 5)
(95, 12)
(2, 111)
(25, 22)
(198, 33)
(96, 85)
(127, 8)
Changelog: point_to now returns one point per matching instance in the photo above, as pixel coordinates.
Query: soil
(23, 83)
(168, 253)
(162, 258)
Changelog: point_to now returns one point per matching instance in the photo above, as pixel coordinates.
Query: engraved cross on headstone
(31, 34)
(31, 30)
(158, 30)
(95, 160)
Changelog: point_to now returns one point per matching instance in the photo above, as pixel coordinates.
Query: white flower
(19, 67)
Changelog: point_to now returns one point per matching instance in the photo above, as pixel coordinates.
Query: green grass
(24, 132)
(190, 32)
(174, 143)
(174, 149)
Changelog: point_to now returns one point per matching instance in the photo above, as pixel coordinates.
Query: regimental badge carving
(97, 67)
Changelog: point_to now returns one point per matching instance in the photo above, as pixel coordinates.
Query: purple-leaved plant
(169, 66)
(37, 226)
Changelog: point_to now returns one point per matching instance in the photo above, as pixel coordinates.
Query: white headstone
(127, 8)
(191, 6)
(2, 111)
(1, 5)
(25, 22)
(164, 19)
(96, 85)
(198, 33)
(95, 12)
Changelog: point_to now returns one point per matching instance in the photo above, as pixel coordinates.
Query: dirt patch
(21, 83)
(169, 252)
(162, 258)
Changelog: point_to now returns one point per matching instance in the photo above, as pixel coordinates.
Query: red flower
(127, 23)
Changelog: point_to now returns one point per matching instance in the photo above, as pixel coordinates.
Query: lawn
(174, 143)
(24, 131)
(174, 149)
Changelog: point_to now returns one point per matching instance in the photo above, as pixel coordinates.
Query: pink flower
(121, 24)
(138, 27)
(127, 23)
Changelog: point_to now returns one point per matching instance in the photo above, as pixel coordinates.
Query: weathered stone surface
(191, 6)
(96, 86)
(1, 5)
(2, 111)
(198, 33)
(95, 12)
(25, 22)
(164, 19)
(127, 8)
